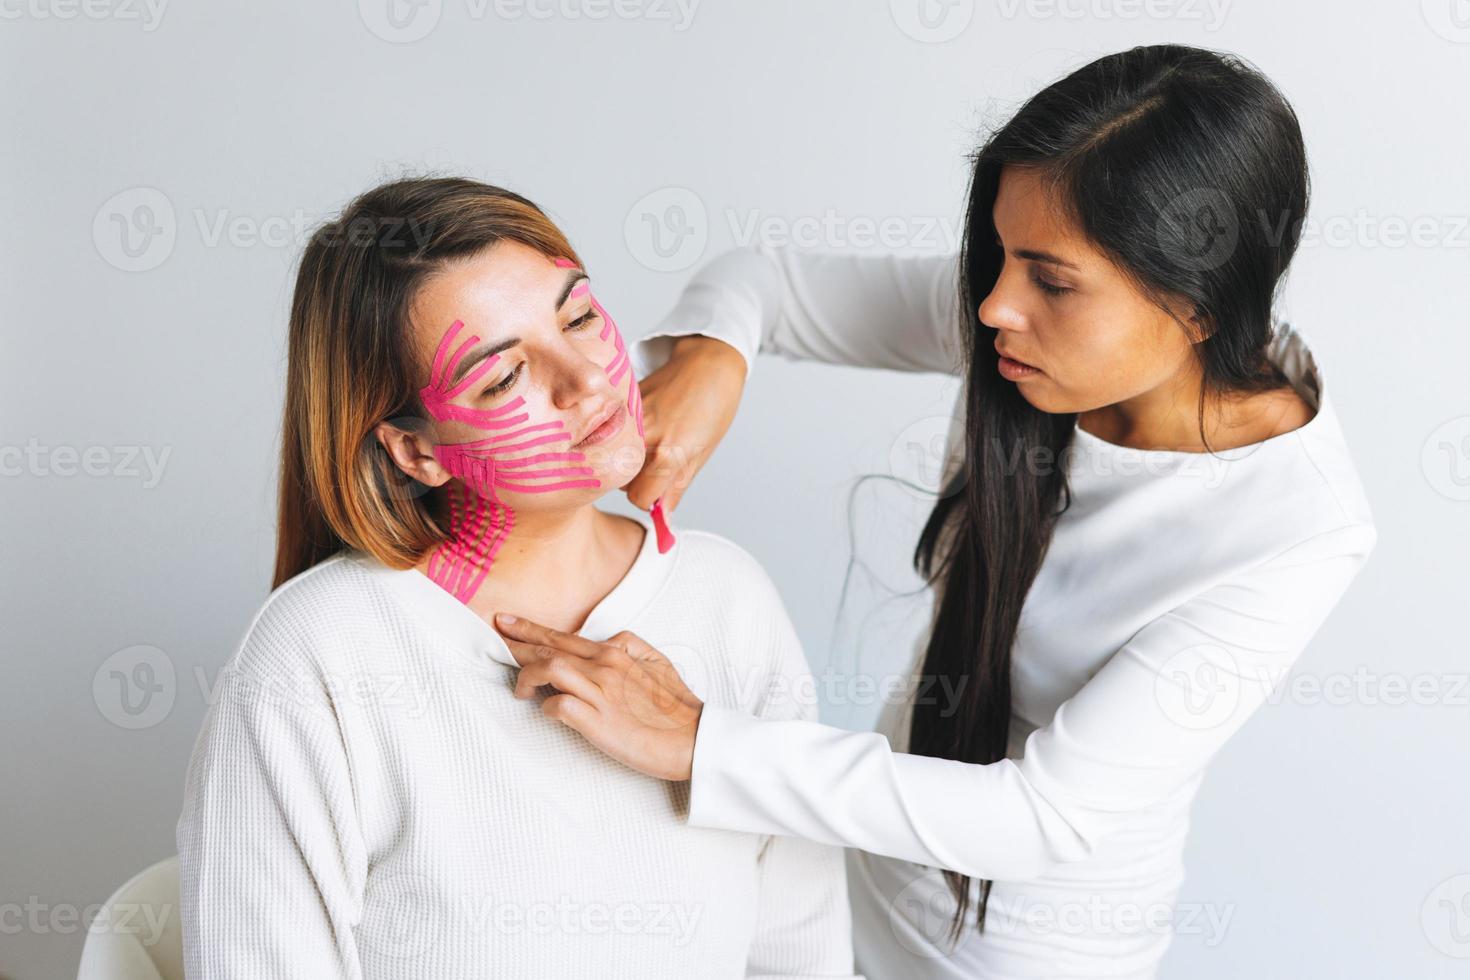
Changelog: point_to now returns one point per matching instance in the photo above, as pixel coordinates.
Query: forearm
(1121, 746)
(884, 311)
(849, 788)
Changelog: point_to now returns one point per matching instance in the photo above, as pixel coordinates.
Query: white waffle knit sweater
(367, 799)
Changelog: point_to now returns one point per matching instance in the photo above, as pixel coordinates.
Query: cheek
(524, 453)
(520, 448)
(617, 462)
(619, 368)
(620, 460)
(1101, 356)
(520, 453)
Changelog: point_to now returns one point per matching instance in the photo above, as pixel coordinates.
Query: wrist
(711, 349)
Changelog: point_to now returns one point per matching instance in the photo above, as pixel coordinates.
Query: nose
(582, 387)
(1001, 309)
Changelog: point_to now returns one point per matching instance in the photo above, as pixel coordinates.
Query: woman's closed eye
(1048, 287)
(583, 321)
(505, 384)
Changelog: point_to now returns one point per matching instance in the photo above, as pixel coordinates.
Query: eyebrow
(573, 277)
(478, 354)
(1050, 259)
(463, 366)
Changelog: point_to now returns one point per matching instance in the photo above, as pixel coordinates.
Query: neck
(1168, 417)
(1164, 417)
(494, 554)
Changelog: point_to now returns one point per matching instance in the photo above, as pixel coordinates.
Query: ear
(1197, 322)
(412, 453)
(1202, 324)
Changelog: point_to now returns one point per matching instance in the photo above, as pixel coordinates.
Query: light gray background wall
(1331, 831)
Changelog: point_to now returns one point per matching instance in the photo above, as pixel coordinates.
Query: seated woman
(368, 797)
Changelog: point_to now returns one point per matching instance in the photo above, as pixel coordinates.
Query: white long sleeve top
(367, 798)
(1178, 591)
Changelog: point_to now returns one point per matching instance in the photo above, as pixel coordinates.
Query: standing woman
(1148, 511)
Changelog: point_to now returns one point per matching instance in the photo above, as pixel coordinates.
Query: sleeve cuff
(652, 352)
(716, 752)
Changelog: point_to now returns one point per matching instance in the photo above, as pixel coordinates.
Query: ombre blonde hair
(351, 363)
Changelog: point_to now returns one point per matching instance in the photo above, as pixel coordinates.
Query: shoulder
(713, 563)
(1291, 488)
(1325, 492)
(307, 624)
(1312, 495)
(1325, 449)
(751, 654)
(282, 679)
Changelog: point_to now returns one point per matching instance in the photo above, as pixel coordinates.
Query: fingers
(563, 672)
(664, 472)
(674, 494)
(576, 715)
(645, 488)
(534, 640)
(526, 653)
(633, 644)
(688, 406)
(667, 480)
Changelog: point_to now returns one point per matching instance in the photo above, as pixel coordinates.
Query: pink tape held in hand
(661, 526)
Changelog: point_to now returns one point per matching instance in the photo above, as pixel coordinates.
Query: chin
(1044, 397)
(615, 466)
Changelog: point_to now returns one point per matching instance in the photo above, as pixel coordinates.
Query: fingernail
(505, 618)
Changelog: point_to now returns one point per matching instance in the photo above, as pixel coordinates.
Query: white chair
(140, 937)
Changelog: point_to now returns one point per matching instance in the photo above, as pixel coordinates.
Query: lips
(603, 426)
(1014, 370)
(1015, 360)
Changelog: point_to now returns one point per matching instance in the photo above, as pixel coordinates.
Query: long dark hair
(1187, 168)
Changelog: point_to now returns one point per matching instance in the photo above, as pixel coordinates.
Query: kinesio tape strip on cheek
(486, 464)
(615, 369)
(509, 460)
(479, 520)
(620, 365)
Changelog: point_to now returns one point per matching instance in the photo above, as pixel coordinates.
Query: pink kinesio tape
(479, 519)
(661, 526)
